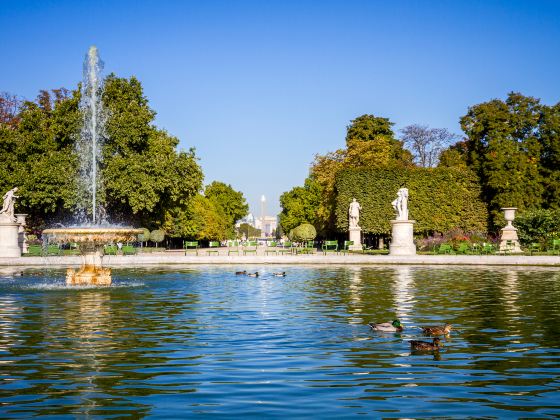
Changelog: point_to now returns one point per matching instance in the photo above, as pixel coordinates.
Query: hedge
(440, 199)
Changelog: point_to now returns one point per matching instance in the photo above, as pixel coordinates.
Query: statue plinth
(9, 237)
(356, 237)
(402, 241)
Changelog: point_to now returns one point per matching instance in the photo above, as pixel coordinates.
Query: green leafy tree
(540, 226)
(232, 203)
(504, 149)
(370, 143)
(249, 231)
(300, 205)
(304, 232)
(157, 236)
(144, 174)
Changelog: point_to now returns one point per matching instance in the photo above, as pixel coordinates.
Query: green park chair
(53, 249)
(34, 250)
(213, 248)
(307, 247)
(271, 248)
(110, 250)
(190, 246)
(250, 247)
(128, 250)
(329, 246)
(233, 247)
(346, 247)
(286, 248)
(534, 247)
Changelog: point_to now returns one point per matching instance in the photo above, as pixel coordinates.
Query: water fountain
(93, 233)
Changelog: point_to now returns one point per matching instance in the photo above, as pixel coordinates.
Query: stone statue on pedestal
(8, 204)
(400, 204)
(355, 231)
(9, 227)
(354, 214)
(402, 239)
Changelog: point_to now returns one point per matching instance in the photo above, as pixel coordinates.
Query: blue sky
(260, 87)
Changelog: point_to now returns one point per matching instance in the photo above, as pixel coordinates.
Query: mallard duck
(282, 274)
(437, 329)
(255, 274)
(240, 273)
(394, 326)
(425, 345)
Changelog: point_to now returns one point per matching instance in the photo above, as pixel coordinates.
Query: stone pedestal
(9, 236)
(402, 241)
(22, 239)
(92, 271)
(356, 237)
(509, 242)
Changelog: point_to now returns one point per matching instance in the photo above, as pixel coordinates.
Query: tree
(300, 205)
(144, 174)
(370, 143)
(304, 232)
(426, 143)
(504, 149)
(145, 177)
(231, 202)
(157, 236)
(249, 231)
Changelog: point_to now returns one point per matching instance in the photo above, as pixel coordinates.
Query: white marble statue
(8, 204)
(354, 214)
(401, 204)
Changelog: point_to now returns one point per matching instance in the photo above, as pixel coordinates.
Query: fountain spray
(92, 134)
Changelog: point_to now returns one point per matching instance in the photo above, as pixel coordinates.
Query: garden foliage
(440, 199)
(538, 226)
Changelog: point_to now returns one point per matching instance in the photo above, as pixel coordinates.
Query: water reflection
(203, 341)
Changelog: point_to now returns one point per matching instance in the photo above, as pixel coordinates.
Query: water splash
(91, 139)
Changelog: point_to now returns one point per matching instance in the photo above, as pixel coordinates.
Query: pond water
(204, 341)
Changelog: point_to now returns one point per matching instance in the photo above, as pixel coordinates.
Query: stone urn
(509, 242)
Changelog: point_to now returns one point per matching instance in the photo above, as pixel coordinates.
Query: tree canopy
(144, 175)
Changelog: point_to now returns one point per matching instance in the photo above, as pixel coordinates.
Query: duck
(282, 274)
(416, 345)
(240, 273)
(437, 329)
(394, 326)
(255, 274)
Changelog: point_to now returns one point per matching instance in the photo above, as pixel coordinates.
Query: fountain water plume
(92, 137)
(90, 236)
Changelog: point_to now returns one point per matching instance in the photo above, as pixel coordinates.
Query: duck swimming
(394, 326)
(425, 345)
(437, 329)
(255, 274)
(282, 274)
(240, 273)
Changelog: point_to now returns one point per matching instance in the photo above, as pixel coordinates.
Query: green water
(206, 342)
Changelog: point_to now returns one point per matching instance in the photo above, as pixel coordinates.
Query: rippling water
(206, 342)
